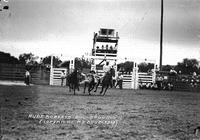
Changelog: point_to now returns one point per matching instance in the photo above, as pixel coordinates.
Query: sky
(45, 27)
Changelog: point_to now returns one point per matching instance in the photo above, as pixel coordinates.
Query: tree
(65, 64)
(188, 66)
(28, 58)
(128, 66)
(80, 63)
(120, 67)
(7, 58)
(167, 67)
(85, 63)
(47, 61)
(145, 67)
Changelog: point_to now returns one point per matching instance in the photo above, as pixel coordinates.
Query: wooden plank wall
(127, 81)
(16, 72)
(55, 77)
(145, 77)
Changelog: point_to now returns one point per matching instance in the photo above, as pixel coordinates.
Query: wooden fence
(145, 78)
(131, 81)
(16, 72)
(55, 77)
(127, 81)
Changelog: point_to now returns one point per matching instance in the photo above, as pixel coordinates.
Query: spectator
(119, 81)
(27, 77)
(172, 71)
(115, 48)
(159, 81)
(62, 76)
(194, 74)
(107, 47)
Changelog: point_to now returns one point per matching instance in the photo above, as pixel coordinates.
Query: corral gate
(144, 77)
(55, 78)
(132, 81)
(55, 73)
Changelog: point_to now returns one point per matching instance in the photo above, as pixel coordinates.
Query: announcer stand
(105, 44)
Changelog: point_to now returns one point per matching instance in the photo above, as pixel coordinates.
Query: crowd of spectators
(106, 49)
(170, 80)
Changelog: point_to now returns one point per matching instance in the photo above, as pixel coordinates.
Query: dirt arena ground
(45, 113)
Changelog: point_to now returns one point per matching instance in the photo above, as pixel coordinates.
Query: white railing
(55, 76)
(145, 77)
(131, 81)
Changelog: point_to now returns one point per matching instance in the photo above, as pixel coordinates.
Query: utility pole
(161, 35)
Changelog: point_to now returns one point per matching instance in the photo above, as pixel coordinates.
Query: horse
(106, 81)
(89, 81)
(73, 80)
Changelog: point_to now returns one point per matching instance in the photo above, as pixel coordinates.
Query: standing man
(27, 77)
(119, 80)
(159, 81)
(62, 76)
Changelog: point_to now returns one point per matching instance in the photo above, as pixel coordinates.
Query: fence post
(134, 76)
(51, 71)
(154, 74)
(135, 71)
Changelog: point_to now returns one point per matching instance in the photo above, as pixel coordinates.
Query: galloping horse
(106, 81)
(73, 80)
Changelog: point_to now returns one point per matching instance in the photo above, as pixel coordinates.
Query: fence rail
(127, 81)
(55, 77)
(145, 78)
(130, 81)
(16, 72)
